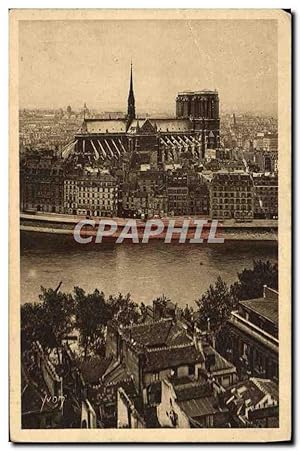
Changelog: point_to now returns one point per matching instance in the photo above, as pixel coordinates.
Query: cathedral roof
(171, 125)
(163, 125)
(105, 125)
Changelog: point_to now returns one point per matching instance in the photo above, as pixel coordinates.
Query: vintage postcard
(150, 225)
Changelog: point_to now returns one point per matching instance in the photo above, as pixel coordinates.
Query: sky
(71, 62)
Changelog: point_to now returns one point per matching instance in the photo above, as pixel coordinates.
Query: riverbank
(237, 235)
(228, 233)
(257, 230)
(74, 219)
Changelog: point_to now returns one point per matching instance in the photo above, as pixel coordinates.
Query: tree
(123, 309)
(91, 316)
(58, 311)
(251, 281)
(48, 321)
(35, 327)
(187, 313)
(214, 306)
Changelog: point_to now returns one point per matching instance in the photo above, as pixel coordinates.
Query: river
(180, 271)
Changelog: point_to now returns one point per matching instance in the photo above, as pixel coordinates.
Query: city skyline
(216, 55)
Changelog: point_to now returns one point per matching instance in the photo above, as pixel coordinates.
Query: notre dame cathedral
(195, 129)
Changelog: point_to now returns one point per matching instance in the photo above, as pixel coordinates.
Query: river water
(180, 271)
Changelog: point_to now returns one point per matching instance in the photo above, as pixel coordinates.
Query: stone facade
(91, 194)
(231, 196)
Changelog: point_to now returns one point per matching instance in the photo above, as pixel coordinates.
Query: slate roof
(158, 334)
(220, 363)
(142, 125)
(191, 379)
(245, 390)
(200, 407)
(106, 125)
(117, 374)
(263, 307)
(159, 359)
(177, 336)
(149, 334)
(163, 125)
(267, 386)
(172, 125)
(254, 389)
(192, 390)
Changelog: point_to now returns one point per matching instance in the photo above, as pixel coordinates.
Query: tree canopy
(35, 327)
(123, 309)
(48, 321)
(214, 306)
(91, 316)
(251, 281)
(219, 300)
(59, 309)
(57, 314)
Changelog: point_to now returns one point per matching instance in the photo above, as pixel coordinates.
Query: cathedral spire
(131, 83)
(131, 101)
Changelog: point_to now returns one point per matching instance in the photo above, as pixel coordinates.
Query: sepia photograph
(150, 225)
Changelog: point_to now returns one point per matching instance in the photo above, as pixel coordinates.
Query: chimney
(265, 291)
(270, 294)
(208, 324)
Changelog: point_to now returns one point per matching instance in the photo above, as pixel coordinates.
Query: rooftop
(203, 91)
(160, 125)
(220, 363)
(158, 333)
(267, 386)
(172, 125)
(191, 390)
(172, 357)
(263, 307)
(253, 389)
(104, 125)
(163, 125)
(199, 407)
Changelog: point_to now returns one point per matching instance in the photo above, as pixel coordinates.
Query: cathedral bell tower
(131, 101)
